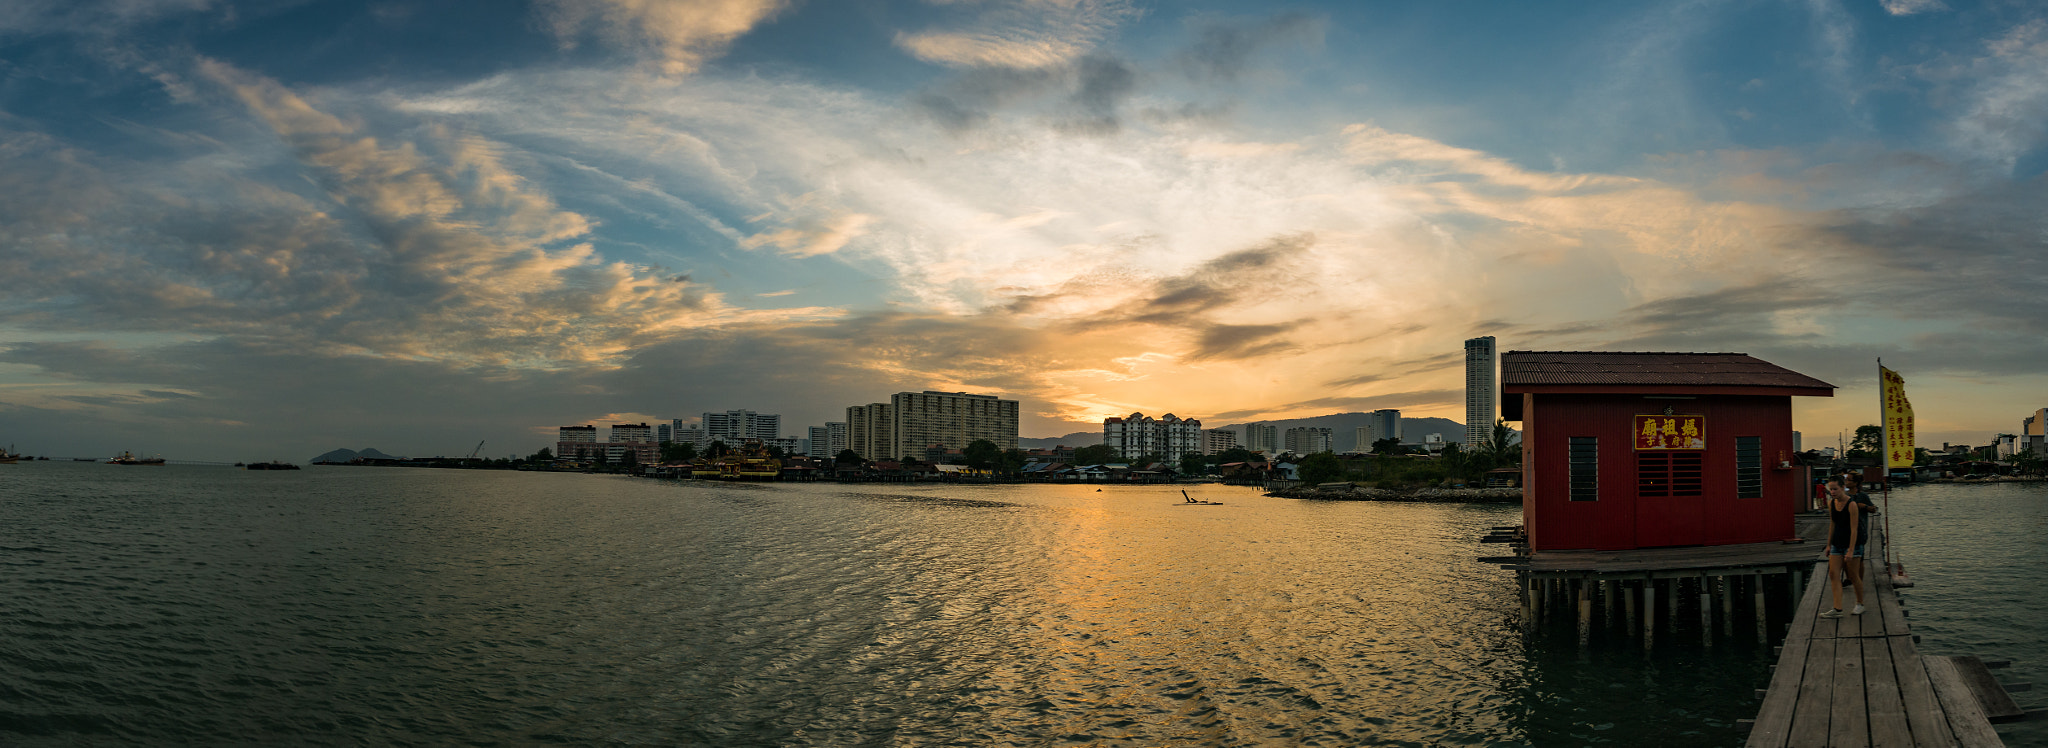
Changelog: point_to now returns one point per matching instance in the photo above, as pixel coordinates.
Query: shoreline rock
(1417, 495)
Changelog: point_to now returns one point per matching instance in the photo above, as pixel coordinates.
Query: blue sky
(228, 227)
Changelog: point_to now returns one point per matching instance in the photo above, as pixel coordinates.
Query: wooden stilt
(1671, 609)
(1650, 612)
(1628, 605)
(1727, 590)
(1706, 612)
(1607, 602)
(1798, 586)
(1585, 611)
(1756, 596)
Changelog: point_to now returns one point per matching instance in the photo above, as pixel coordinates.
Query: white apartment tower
(871, 431)
(954, 419)
(1482, 367)
(737, 427)
(1218, 441)
(1169, 437)
(820, 444)
(1262, 437)
(1309, 440)
(576, 442)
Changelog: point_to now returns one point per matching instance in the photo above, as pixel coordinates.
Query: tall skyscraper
(1167, 437)
(1262, 437)
(820, 444)
(835, 438)
(1218, 441)
(953, 419)
(1482, 367)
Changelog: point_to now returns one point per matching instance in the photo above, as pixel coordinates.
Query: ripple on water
(341, 605)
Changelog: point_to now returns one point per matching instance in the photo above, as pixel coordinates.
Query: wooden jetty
(1858, 680)
(1861, 681)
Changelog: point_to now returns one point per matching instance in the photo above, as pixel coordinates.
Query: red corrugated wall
(1620, 519)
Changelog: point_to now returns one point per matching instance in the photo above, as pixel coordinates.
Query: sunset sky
(268, 229)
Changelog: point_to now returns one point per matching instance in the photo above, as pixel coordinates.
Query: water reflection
(423, 606)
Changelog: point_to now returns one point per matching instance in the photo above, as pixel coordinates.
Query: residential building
(1797, 447)
(736, 427)
(820, 447)
(2034, 433)
(954, 419)
(693, 436)
(1309, 440)
(637, 438)
(576, 442)
(835, 438)
(664, 432)
(792, 446)
(1168, 437)
(871, 431)
(1482, 364)
(1262, 437)
(1218, 441)
(1379, 424)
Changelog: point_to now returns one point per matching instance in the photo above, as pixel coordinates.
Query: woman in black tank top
(1845, 542)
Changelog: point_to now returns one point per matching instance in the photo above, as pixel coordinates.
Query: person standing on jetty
(1846, 542)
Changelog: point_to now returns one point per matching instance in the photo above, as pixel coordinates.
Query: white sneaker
(1858, 610)
(1831, 613)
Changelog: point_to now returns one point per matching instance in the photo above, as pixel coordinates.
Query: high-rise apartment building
(664, 432)
(693, 436)
(1482, 378)
(871, 431)
(737, 427)
(576, 442)
(1262, 437)
(1384, 423)
(835, 438)
(1308, 440)
(953, 419)
(637, 438)
(1218, 441)
(1167, 437)
(820, 447)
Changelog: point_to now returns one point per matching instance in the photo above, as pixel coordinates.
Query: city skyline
(233, 228)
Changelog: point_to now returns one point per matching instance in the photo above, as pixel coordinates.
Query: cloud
(90, 16)
(682, 35)
(1222, 50)
(1020, 34)
(2005, 107)
(1910, 7)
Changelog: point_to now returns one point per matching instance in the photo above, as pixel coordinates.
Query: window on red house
(1663, 474)
(1584, 468)
(1749, 467)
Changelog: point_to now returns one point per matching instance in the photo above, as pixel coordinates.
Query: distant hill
(1076, 439)
(344, 455)
(1344, 427)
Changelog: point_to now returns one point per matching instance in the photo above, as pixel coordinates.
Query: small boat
(7, 456)
(1200, 503)
(273, 465)
(127, 458)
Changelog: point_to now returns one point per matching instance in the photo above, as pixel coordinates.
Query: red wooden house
(1643, 450)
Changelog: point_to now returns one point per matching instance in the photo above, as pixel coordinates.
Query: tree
(544, 455)
(677, 451)
(629, 459)
(1321, 467)
(1869, 440)
(981, 454)
(1235, 454)
(717, 449)
(1193, 463)
(1013, 460)
(1096, 454)
(1498, 443)
(775, 451)
(1388, 446)
(848, 457)
(1147, 459)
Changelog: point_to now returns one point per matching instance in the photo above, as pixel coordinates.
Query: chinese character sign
(1898, 420)
(1671, 432)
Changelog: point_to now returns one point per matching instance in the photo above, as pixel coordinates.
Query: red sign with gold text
(1671, 432)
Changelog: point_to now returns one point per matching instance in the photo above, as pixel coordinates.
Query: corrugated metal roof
(1684, 369)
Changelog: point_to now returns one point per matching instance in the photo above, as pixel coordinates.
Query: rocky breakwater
(1352, 492)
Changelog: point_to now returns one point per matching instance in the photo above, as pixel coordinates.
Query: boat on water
(7, 456)
(127, 458)
(272, 465)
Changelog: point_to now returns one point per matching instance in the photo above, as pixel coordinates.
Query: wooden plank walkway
(1861, 681)
(1691, 560)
